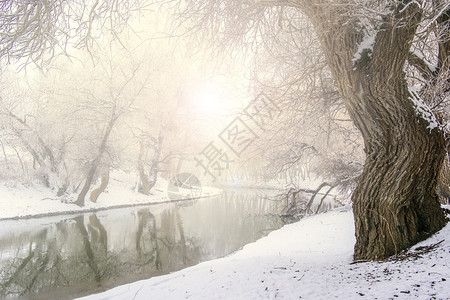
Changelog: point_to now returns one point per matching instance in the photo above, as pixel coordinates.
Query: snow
(430, 66)
(423, 111)
(26, 201)
(310, 259)
(366, 44)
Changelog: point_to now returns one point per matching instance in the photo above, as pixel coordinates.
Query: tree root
(415, 253)
(406, 255)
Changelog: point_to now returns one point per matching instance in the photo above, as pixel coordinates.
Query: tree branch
(421, 65)
(264, 4)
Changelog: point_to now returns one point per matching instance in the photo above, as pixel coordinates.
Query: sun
(209, 101)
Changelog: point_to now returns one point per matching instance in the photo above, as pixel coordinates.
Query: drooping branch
(38, 31)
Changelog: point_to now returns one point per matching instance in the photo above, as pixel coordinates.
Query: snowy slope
(311, 259)
(20, 201)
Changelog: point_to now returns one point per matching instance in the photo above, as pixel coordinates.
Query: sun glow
(212, 102)
(209, 101)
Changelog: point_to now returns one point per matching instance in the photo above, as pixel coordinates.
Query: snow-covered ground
(20, 201)
(310, 259)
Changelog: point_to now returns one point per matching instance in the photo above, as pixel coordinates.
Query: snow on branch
(418, 61)
(410, 3)
(435, 17)
(365, 48)
(423, 111)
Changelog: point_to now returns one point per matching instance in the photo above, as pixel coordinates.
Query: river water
(71, 256)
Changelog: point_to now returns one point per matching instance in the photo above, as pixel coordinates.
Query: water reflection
(70, 257)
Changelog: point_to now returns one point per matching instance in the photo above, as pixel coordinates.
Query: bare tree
(366, 45)
(27, 129)
(117, 90)
(39, 31)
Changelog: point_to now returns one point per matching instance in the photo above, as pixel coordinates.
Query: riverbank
(19, 201)
(310, 259)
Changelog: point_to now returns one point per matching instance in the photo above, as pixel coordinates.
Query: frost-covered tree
(38, 31)
(366, 45)
(40, 142)
(115, 88)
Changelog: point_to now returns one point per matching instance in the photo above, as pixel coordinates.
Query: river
(72, 256)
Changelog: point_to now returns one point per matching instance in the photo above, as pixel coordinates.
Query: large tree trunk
(96, 162)
(395, 204)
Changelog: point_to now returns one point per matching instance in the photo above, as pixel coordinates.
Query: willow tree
(366, 45)
(395, 203)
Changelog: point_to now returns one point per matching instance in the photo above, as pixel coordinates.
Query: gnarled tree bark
(395, 204)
